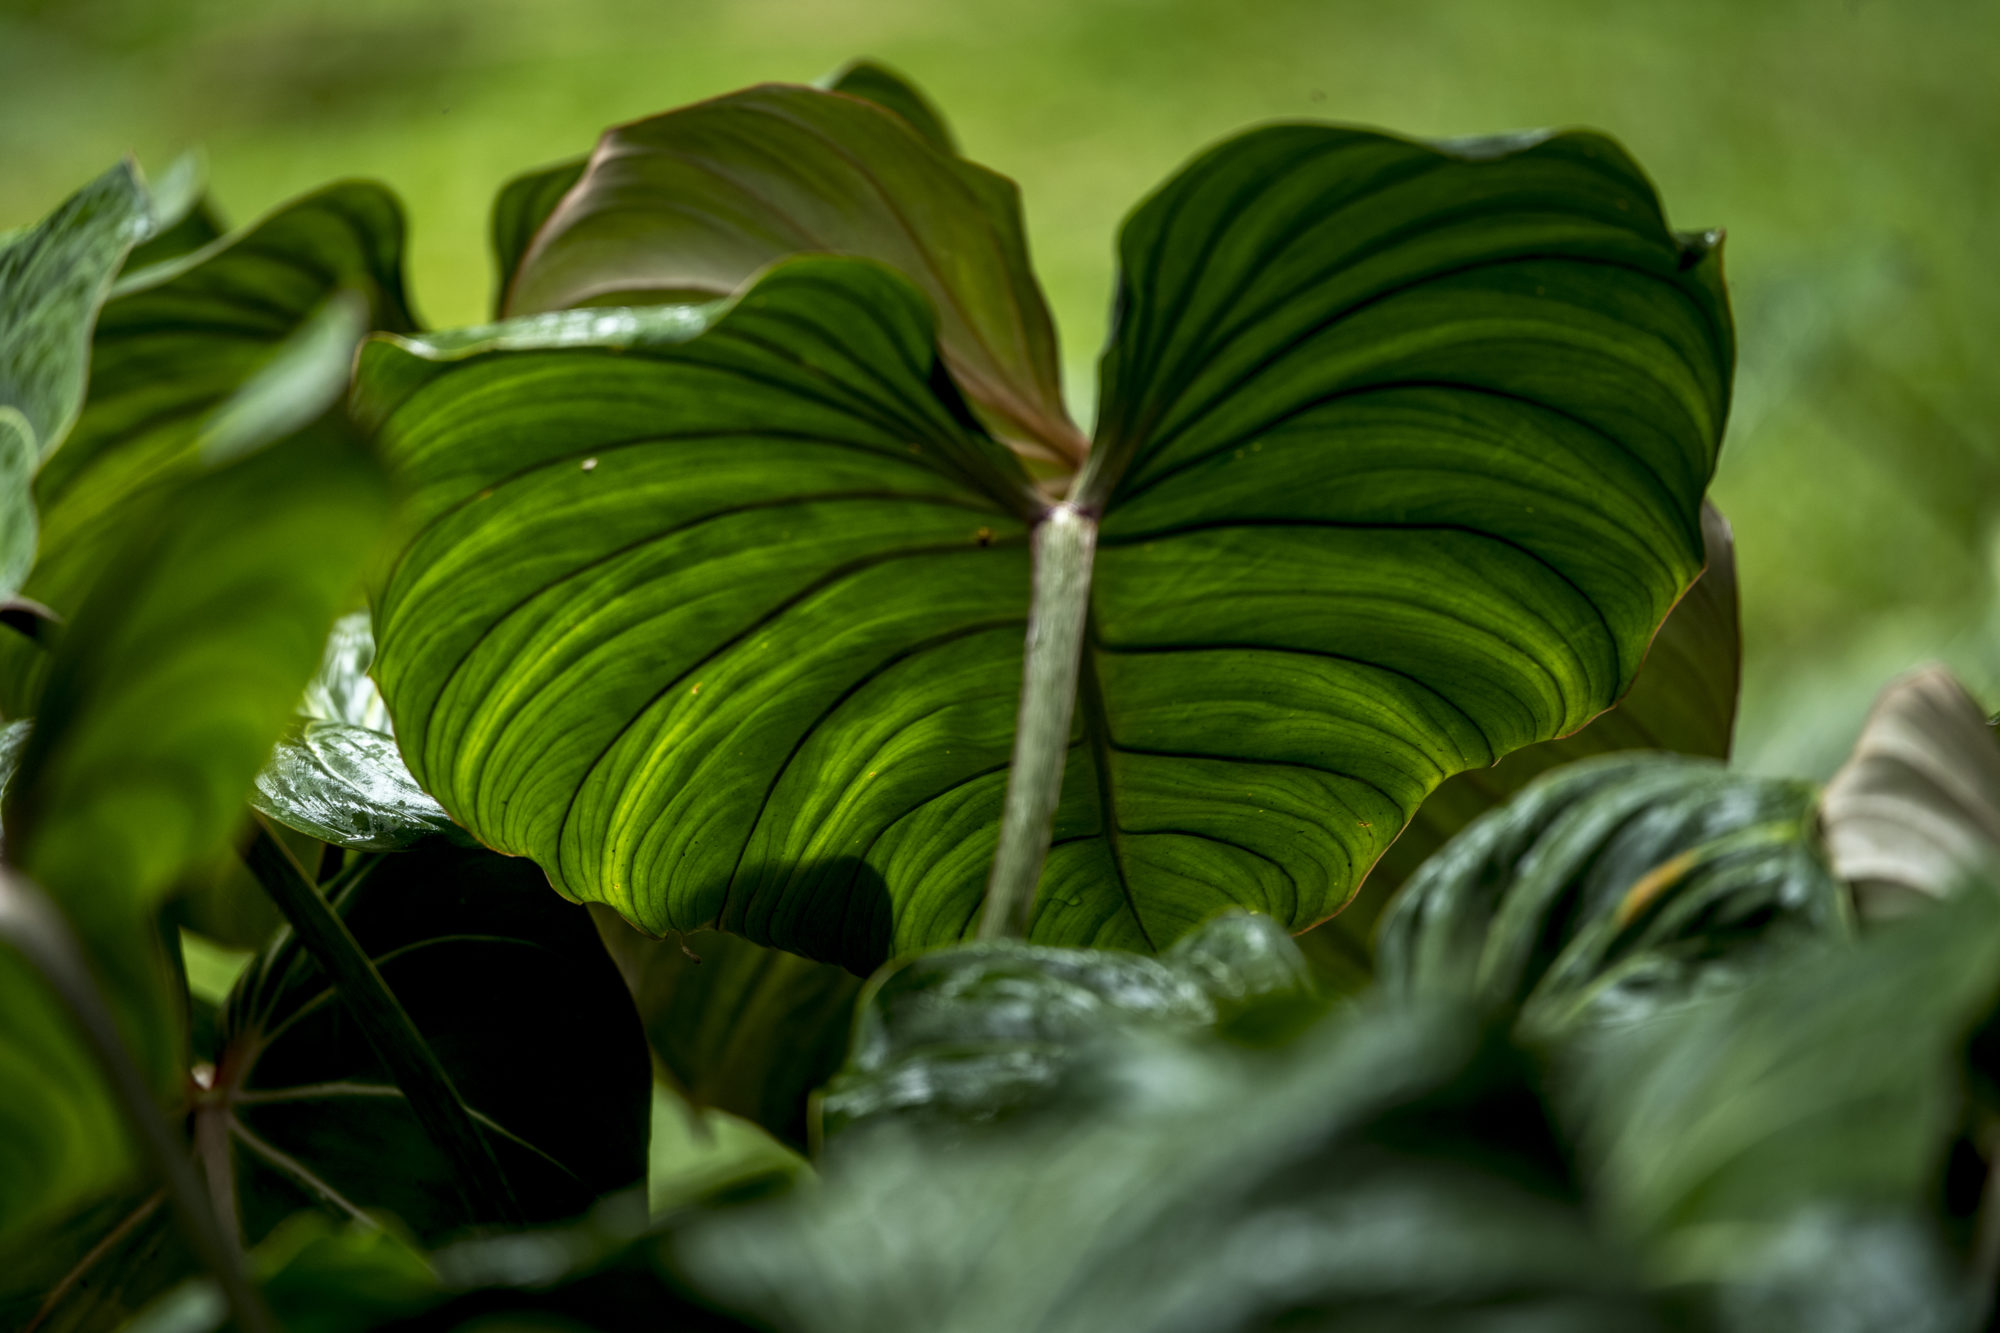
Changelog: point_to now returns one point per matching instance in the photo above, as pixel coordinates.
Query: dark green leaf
(693, 203)
(519, 211)
(53, 277)
(511, 989)
(1386, 1171)
(885, 87)
(173, 344)
(814, 540)
(1684, 701)
(1403, 468)
(983, 1030)
(1613, 886)
(1916, 808)
(738, 1027)
(1831, 1084)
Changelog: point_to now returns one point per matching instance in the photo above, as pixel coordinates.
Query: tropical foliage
(730, 691)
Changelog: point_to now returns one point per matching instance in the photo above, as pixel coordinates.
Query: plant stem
(31, 923)
(383, 1020)
(1064, 543)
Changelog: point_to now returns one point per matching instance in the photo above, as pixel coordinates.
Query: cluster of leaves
(748, 582)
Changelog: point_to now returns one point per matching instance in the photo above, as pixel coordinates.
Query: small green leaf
(53, 277)
(511, 989)
(984, 1030)
(738, 1027)
(1615, 886)
(885, 87)
(1915, 810)
(692, 204)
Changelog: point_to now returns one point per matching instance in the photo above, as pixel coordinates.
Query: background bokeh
(1850, 147)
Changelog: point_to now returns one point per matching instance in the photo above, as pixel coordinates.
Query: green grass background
(1850, 147)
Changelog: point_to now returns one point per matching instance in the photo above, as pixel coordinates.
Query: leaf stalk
(1063, 546)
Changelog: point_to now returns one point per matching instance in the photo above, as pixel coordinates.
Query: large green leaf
(718, 612)
(693, 203)
(1915, 810)
(173, 343)
(738, 1027)
(511, 989)
(163, 697)
(519, 210)
(1684, 701)
(1614, 886)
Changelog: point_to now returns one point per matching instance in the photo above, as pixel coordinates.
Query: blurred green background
(1850, 147)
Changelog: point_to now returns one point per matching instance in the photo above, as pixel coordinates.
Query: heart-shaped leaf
(691, 204)
(513, 992)
(1684, 702)
(172, 345)
(1614, 886)
(1915, 810)
(718, 612)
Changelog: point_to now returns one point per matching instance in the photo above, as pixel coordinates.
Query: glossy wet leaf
(1615, 886)
(1834, 1082)
(1387, 1171)
(173, 344)
(692, 204)
(337, 775)
(738, 1027)
(1403, 476)
(1684, 701)
(513, 992)
(1915, 810)
(985, 1030)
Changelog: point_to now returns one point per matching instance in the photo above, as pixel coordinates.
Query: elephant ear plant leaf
(717, 611)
